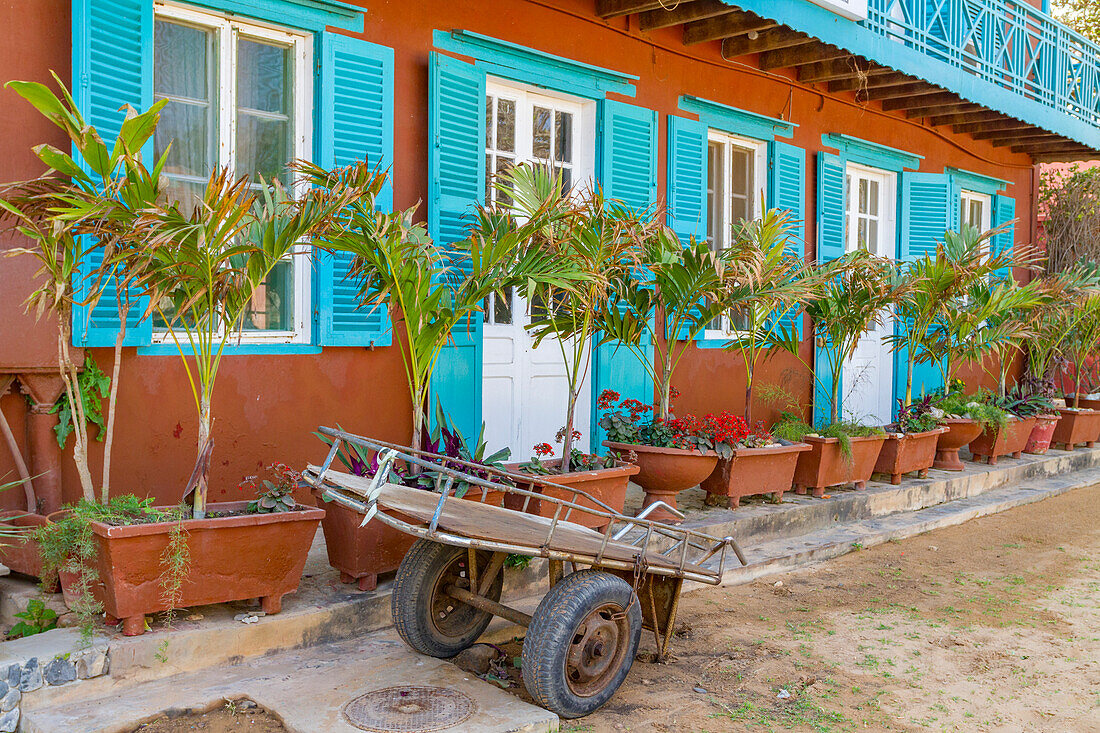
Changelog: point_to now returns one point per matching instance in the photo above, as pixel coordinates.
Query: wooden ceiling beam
(850, 67)
(1010, 141)
(1010, 134)
(874, 82)
(939, 110)
(683, 13)
(764, 42)
(810, 53)
(903, 91)
(1059, 146)
(991, 126)
(1066, 157)
(962, 118)
(734, 23)
(926, 100)
(615, 8)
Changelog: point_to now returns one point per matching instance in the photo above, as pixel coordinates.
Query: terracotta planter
(361, 554)
(1076, 427)
(1039, 440)
(960, 431)
(232, 558)
(22, 555)
(754, 471)
(608, 485)
(993, 443)
(904, 453)
(1089, 403)
(665, 472)
(825, 465)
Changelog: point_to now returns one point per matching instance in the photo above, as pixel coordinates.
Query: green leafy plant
(601, 240)
(432, 290)
(273, 497)
(92, 386)
(918, 416)
(36, 619)
(980, 408)
(793, 428)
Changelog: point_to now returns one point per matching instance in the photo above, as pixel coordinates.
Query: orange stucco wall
(266, 406)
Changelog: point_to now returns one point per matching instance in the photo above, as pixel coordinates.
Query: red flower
(544, 449)
(607, 399)
(560, 435)
(673, 392)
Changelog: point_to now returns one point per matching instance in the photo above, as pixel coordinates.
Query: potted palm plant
(859, 291)
(771, 284)
(599, 240)
(432, 291)
(686, 284)
(1082, 323)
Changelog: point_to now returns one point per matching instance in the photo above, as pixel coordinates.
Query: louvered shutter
(787, 192)
(1004, 211)
(627, 171)
(355, 118)
(831, 211)
(929, 207)
(112, 44)
(687, 178)
(456, 180)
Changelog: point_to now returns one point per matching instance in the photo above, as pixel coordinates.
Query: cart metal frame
(663, 555)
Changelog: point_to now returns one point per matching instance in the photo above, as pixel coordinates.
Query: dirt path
(993, 625)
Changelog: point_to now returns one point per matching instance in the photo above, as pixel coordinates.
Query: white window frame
(887, 206)
(967, 197)
(230, 28)
(526, 98)
(759, 150)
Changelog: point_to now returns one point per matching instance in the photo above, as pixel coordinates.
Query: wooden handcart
(581, 641)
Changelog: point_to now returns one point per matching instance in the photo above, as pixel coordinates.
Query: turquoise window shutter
(787, 192)
(687, 178)
(627, 171)
(929, 206)
(112, 43)
(355, 123)
(1004, 211)
(456, 181)
(831, 207)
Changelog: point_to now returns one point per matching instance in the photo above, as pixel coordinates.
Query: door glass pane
(506, 125)
(540, 133)
(264, 101)
(184, 62)
(563, 137)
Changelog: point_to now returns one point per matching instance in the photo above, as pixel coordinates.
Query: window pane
(506, 125)
(976, 213)
(863, 207)
(540, 133)
(490, 105)
(272, 305)
(503, 166)
(563, 137)
(184, 61)
(566, 178)
(264, 132)
(872, 236)
(502, 307)
(740, 184)
(861, 233)
(964, 213)
(872, 198)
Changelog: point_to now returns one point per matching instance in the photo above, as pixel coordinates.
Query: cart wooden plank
(479, 520)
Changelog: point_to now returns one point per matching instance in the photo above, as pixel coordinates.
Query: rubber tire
(411, 601)
(557, 617)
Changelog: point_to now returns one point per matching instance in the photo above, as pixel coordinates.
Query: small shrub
(35, 620)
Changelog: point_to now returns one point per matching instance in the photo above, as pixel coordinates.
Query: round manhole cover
(409, 709)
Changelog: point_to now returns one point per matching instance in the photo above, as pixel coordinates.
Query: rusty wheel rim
(451, 617)
(597, 650)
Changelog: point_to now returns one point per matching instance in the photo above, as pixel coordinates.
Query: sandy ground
(993, 625)
(233, 718)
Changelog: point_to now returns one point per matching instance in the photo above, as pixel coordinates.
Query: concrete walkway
(326, 629)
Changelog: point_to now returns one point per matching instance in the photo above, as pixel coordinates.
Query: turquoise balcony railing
(1003, 54)
(1005, 42)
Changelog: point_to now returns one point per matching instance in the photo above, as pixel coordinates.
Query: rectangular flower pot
(752, 471)
(361, 554)
(233, 558)
(904, 453)
(825, 465)
(1076, 427)
(993, 443)
(22, 555)
(607, 485)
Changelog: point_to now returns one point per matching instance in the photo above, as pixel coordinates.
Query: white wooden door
(524, 389)
(868, 377)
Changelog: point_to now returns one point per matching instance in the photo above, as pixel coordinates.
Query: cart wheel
(428, 620)
(581, 643)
